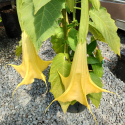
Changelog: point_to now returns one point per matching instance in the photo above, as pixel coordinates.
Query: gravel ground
(29, 102)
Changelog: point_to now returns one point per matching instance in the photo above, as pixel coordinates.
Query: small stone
(26, 116)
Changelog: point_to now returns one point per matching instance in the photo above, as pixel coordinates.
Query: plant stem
(74, 12)
(65, 30)
(77, 8)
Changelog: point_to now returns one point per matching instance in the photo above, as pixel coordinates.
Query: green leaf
(98, 69)
(39, 3)
(58, 40)
(19, 49)
(95, 32)
(91, 47)
(0, 19)
(43, 24)
(61, 65)
(72, 38)
(96, 97)
(92, 38)
(99, 55)
(67, 9)
(107, 27)
(70, 4)
(73, 102)
(92, 60)
(95, 4)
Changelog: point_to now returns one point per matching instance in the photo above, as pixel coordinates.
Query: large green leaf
(62, 66)
(72, 38)
(91, 47)
(106, 26)
(92, 60)
(70, 4)
(95, 4)
(43, 24)
(95, 97)
(98, 69)
(58, 40)
(95, 32)
(39, 3)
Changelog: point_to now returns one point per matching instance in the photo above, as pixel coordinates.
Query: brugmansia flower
(79, 84)
(32, 66)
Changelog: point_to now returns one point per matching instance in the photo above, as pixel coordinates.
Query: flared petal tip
(8, 64)
(15, 90)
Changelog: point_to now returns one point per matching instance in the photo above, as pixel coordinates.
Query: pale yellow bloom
(32, 66)
(79, 84)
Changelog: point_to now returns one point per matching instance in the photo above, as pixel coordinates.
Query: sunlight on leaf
(107, 27)
(43, 24)
(39, 3)
(58, 40)
(95, 4)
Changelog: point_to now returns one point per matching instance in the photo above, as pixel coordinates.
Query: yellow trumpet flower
(79, 84)
(32, 66)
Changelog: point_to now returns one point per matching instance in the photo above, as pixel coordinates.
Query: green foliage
(92, 60)
(0, 19)
(106, 26)
(95, 32)
(19, 49)
(43, 24)
(95, 4)
(67, 9)
(98, 69)
(59, 65)
(99, 56)
(91, 47)
(96, 97)
(70, 4)
(58, 40)
(39, 3)
(72, 38)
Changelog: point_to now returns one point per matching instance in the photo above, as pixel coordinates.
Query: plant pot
(11, 23)
(77, 107)
(120, 67)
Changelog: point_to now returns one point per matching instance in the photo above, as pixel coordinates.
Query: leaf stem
(77, 8)
(78, 2)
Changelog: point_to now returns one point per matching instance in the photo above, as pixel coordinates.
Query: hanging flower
(79, 84)
(32, 66)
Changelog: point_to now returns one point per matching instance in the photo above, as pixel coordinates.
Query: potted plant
(10, 20)
(76, 70)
